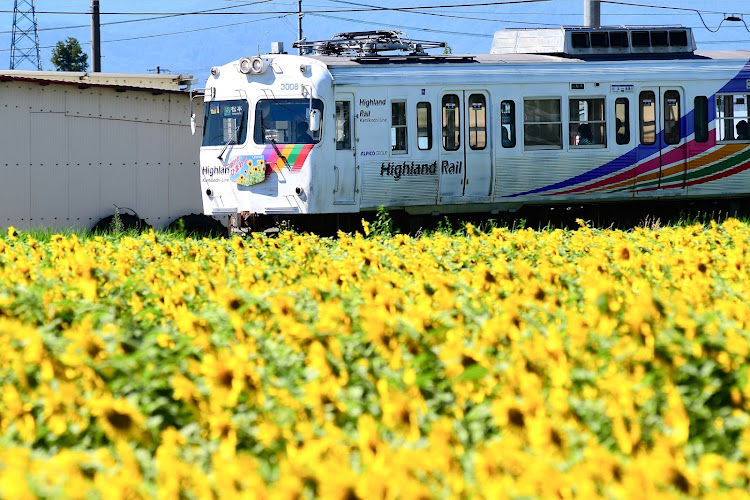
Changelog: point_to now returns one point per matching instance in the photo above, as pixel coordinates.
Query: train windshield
(225, 123)
(286, 121)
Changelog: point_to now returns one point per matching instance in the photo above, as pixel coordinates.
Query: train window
(451, 122)
(542, 124)
(225, 122)
(424, 126)
(477, 108)
(343, 125)
(647, 117)
(732, 117)
(508, 123)
(285, 121)
(622, 120)
(398, 127)
(587, 125)
(700, 113)
(672, 117)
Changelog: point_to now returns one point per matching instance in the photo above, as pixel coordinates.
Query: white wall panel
(15, 94)
(15, 138)
(84, 203)
(156, 107)
(83, 102)
(69, 154)
(49, 135)
(118, 142)
(49, 193)
(46, 98)
(184, 191)
(179, 110)
(184, 147)
(84, 141)
(117, 186)
(153, 186)
(15, 209)
(153, 144)
(124, 106)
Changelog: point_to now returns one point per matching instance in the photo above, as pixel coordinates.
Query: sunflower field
(494, 364)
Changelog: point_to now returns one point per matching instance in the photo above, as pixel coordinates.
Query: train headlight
(245, 65)
(258, 65)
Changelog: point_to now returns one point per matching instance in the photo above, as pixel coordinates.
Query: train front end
(263, 131)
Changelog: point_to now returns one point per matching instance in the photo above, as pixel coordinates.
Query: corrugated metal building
(75, 145)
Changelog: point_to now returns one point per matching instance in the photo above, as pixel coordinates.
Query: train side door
(344, 167)
(465, 153)
(662, 151)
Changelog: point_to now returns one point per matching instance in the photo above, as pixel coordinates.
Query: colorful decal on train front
(247, 170)
(289, 156)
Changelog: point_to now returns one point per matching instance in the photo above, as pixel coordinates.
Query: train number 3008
(290, 86)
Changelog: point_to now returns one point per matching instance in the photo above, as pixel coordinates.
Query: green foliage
(116, 227)
(68, 56)
(383, 224)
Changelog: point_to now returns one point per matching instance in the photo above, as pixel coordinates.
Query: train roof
(495, 59)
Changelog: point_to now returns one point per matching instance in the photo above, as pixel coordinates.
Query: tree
(448, 49)
(68, 56)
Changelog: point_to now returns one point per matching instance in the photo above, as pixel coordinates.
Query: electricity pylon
(25, 43)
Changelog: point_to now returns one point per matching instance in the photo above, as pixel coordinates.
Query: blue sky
(194, 43)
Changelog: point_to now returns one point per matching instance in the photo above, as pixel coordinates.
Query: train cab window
(622, 120)
(647, 117)
(285, 121)
(587, 125)
(398, 127)
(477, 122)
(424, 126)
(672, 117)
(451, 122)
(508, 123)
(225, 122)
(542, 124)
(700, 114)
(732, 117)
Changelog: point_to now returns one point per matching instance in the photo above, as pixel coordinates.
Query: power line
(148, 18)
(321, 11)
(157, 35)
(427, 30)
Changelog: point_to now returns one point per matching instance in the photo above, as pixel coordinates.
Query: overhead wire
(156, 18)
(157, 35)
(323, 11)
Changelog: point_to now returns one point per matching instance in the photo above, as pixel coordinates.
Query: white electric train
(568, 115)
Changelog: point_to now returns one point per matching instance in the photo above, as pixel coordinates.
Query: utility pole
(25, 42)
(299, 24)
(592, 13)
(96, 54)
